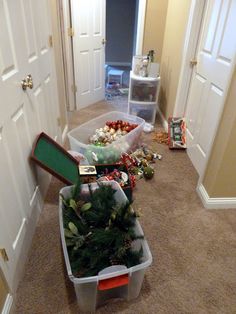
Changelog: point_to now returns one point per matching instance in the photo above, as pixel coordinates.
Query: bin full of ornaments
(102, 140)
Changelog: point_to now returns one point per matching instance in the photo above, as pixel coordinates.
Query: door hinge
(50, 41)
(70, 32)
(193, 62)
(4, 255)
(74, 88)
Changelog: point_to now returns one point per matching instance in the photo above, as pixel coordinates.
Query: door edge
(189, 49)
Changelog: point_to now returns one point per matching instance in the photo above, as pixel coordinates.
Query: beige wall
(220, 175)
(176, 22)
(3, 291)
(155, 20)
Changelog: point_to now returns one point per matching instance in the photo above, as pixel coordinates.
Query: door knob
(104, 41)
(28, 82)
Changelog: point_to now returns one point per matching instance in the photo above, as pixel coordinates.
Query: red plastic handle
(114, 282)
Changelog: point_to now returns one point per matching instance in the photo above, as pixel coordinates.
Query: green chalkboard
(55, 159)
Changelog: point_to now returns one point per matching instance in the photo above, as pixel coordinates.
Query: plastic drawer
(146, 111)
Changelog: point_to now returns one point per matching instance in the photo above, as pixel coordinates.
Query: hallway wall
(155, 21)
(171, 59)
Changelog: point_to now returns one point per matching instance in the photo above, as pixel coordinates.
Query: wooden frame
(59, 147)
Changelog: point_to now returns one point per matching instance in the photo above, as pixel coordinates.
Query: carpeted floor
(194, 249)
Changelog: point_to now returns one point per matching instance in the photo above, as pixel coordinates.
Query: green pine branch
(99, 233)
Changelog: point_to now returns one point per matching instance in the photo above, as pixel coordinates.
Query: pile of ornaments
(112, 131)
(139, 162)
(119, 176)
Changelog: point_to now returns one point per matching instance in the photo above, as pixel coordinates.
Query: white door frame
(190, 45)
(69, 50)
(140, 26)
(189, 51)
(68, 54)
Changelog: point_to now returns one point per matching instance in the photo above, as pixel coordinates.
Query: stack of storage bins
(143, 96)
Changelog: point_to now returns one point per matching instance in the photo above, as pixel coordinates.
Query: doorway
(209, 62)
(89, 59)
(124, 34)
(121, 24)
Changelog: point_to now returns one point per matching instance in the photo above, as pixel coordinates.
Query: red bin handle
(114, 282)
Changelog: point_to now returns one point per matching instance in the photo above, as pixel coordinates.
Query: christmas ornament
(112, 131)
(148, 172)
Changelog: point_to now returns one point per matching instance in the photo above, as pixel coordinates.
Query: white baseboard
(8, 304)
(163, 120)
(125, 64)
(64, 133)
(215, 202)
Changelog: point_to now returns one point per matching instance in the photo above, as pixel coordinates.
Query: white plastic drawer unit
(143, 89)
(90, 291)
(146, 111)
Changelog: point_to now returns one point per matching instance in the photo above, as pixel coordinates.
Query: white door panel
(24, 32)
(208, 122)
(88, 19)
(195, 98)
(215, 54)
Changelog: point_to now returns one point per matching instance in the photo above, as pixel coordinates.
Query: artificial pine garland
(98, 231)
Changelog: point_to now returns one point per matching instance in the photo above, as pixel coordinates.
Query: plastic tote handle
(114, 282)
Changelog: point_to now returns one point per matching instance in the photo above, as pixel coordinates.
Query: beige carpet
(194, 249)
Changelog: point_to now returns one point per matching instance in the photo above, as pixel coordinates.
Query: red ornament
(132, 180)
(123, 125)
(128, 160)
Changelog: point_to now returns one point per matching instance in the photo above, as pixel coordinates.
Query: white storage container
(146, 111)
(143, 96)
(143, 89)
(89, 291)
(79, 138)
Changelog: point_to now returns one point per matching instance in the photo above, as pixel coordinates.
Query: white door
(210, 79)
(24, 32)
(88, 21)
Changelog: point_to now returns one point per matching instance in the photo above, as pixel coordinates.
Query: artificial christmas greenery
(98, 231)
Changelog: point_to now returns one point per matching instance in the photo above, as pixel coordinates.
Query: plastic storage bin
(143, 88)
(79, 138)
(91, 292)
(146, 111)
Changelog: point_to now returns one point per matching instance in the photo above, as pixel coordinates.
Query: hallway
(193, 249)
